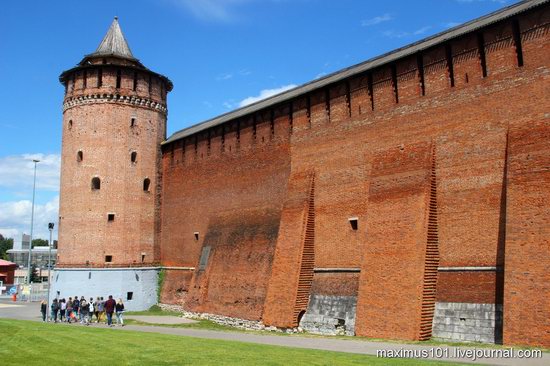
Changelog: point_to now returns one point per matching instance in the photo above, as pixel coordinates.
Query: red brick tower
(114, 119)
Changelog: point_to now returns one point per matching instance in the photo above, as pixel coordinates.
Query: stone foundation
(331, 315)
(466, 322)
(227, 320)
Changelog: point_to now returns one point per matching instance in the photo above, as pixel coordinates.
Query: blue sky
(220, 54)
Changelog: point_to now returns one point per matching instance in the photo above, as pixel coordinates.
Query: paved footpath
(31, 311)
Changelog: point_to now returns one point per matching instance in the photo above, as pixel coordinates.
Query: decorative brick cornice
(115, 98)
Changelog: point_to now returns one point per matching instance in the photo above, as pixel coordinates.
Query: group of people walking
(83, 311)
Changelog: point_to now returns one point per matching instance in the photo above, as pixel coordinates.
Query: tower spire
(114, 43)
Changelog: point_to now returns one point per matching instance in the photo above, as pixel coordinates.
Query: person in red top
(110, 305)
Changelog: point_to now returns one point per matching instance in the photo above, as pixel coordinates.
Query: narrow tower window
(70, 125)
(146, 184)
(99, 78)
(135, 80)
(118, 79)
(79, 156)
(353, 221)
(96, 183)
(133, 122)
(133, 157)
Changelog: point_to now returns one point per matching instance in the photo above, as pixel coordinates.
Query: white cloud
(17, 171)
(15, 218)
(266, 93)
(231, 75)
(212, 10)
(11, 233)
(229, 104)
(376, 20)
(395, 34)
(450, 24)
(225, 76)
(421, 30)
(402, 34)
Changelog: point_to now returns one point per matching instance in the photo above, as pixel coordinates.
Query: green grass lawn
(210, 325)
(36, 343)
(153, 310)
(200, 324)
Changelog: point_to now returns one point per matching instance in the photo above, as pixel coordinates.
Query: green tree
(35, 278)
(39, 243)
(5, 245)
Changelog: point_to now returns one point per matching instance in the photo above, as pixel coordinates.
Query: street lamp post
(35, 161)
(50, 227)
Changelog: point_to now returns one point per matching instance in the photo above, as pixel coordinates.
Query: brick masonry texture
(269, 195)
(397, 235)
(475, 287)
(526, 302)
(99, 137)
(371, 158)
(374, 165)
(233, 202)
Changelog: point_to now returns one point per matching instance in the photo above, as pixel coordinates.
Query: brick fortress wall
(222, 196)
(435, 232)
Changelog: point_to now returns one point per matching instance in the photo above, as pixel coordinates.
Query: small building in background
(19, 255)
(39, 257)
(7, 271)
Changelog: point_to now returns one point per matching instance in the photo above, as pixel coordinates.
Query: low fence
(32, 292)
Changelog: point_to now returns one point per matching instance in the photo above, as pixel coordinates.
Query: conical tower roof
(114, 43)
(113, 50)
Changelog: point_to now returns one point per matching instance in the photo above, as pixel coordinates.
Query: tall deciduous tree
(5, 245)
(35, 278)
